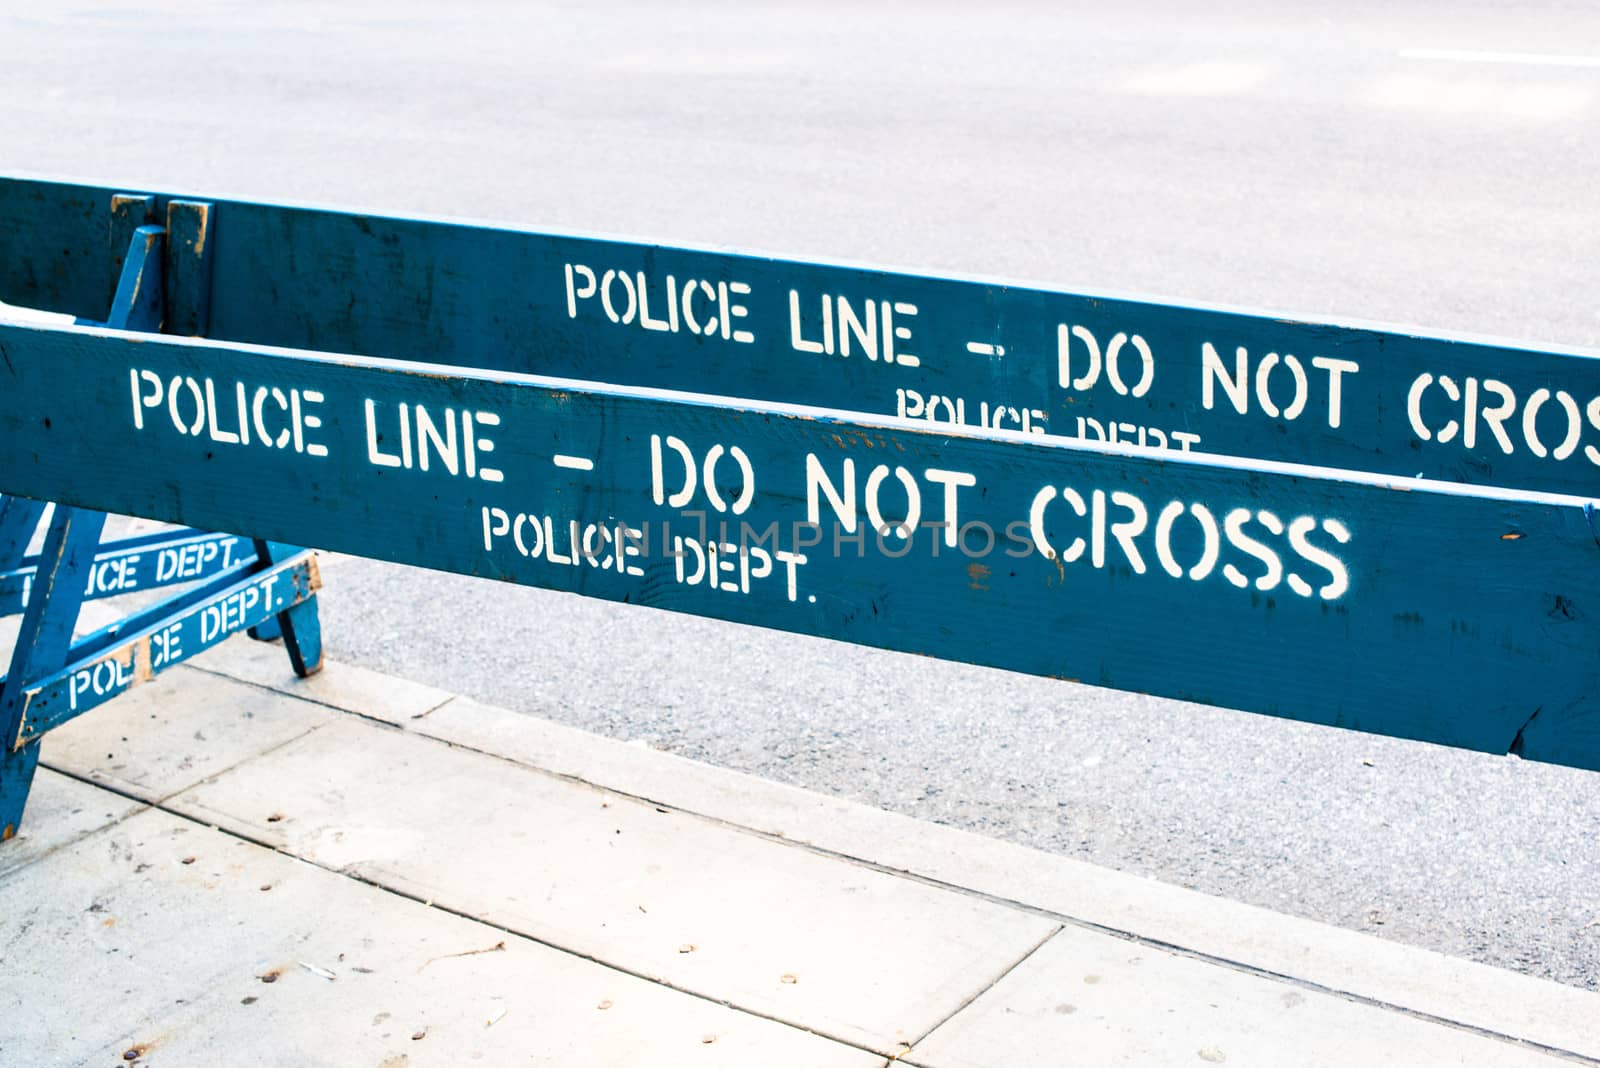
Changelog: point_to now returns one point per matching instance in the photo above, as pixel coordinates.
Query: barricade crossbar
(476, 432)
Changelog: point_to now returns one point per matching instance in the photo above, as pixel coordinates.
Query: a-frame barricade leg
(43, 644)
(160, 281)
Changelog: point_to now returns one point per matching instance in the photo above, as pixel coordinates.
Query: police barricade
(158, 257)
(696, 431)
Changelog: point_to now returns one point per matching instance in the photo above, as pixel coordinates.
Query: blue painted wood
(152, 647)
(50, 585)
(266, 631)
(1408, 608)
(129, 211)
(1486, 412)
(188, 268)
(19, 519)
(154, 615)
(297, 623)
(154, 280)
(41, 647)
(128, 565)
(17, 767)
(136, 305)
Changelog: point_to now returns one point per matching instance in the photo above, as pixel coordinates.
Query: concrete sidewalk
(231, 866)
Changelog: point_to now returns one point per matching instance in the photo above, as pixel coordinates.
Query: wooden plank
(240, 600)
(188, 268)
(1404, 608)
(41, 646)
(128, 212)
(296, 622)
(975, 351)
(150, 561)
(19, 520)
(137, 303)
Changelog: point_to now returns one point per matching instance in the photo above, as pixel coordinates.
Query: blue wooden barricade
(976, 352)
(751, 439)
(159, 280)
(127, 565)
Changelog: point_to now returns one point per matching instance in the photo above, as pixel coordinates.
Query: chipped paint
(204, 230)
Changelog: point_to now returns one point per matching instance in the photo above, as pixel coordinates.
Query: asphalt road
(1279, 156)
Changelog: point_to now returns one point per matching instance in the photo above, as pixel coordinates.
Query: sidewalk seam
(357, 877)
(1035, 910)
(991, 898)
(430, 711)
(308, 699)
(144, 806)
(160, 800)
(911, 1047)
(1183, 951)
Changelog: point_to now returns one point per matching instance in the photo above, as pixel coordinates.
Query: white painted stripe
(1530, 59)
(979, 348)
(405, 370)
(15, 313)
(576, 463)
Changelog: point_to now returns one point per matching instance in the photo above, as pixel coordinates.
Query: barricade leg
(16, 779)
(160, 281)
(19, 518)
(299, 627)
(42, 646)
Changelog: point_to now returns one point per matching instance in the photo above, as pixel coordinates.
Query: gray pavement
(1279, 156)
(230, 865)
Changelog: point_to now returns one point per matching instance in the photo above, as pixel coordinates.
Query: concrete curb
(417, 819)
(1320, 957)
